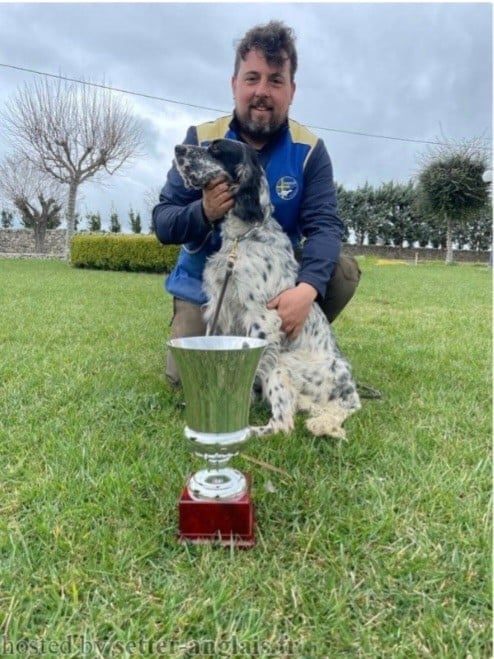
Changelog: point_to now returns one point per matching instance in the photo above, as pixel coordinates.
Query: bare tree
(71, 132)
(150, 199)
(35, 196)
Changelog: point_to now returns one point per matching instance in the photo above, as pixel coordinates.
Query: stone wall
(420, 254)
(20, 242)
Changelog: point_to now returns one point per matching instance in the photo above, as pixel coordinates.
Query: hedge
(131, 252)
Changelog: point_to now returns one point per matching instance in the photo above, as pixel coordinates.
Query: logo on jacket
(286, 187)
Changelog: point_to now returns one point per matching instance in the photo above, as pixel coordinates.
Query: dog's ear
(247, 188)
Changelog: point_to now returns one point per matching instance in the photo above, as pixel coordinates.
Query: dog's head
(236, 161)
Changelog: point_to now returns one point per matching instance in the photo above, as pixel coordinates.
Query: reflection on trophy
(217, 374)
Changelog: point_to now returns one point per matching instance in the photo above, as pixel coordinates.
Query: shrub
(134, 253)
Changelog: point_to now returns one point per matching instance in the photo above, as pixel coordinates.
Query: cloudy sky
(375, 80)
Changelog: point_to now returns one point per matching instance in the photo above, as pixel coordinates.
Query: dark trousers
(187, 317)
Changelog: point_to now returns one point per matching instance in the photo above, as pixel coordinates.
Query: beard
(261, 128)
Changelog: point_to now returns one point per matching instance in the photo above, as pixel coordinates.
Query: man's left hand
(293, 307)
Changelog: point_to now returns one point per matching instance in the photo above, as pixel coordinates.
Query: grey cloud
(404, 70)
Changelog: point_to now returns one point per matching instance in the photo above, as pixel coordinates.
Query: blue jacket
(300, 176)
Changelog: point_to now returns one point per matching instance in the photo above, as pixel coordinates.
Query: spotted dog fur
(308, 373)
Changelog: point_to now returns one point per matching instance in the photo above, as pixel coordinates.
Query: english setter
(308, 373)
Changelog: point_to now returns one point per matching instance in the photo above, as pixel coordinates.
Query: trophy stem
(217, 448)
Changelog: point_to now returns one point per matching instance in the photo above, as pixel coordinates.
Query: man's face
(263, 94)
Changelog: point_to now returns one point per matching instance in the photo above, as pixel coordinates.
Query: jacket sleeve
(320, 223)
(178, 217)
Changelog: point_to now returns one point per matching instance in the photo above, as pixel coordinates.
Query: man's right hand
(216, 199)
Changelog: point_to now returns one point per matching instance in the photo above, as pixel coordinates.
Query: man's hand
(293, 306)
(216, 199)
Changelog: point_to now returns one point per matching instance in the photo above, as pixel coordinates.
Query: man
(300, 176)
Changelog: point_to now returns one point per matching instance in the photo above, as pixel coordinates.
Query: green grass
(375, 547)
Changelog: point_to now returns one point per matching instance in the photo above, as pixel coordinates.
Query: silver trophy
(217, 374)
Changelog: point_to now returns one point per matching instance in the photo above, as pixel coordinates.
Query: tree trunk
(39, 229)
(71, 216)
(449, 241)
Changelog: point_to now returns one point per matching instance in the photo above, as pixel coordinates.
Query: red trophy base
(229, 522)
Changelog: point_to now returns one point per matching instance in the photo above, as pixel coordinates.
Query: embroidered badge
(286, 187)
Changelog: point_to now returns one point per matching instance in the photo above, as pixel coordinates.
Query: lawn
(375, 547)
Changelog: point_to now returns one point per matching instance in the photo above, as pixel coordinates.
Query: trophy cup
(217, 373)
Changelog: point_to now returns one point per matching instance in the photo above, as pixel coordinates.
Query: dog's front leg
(278, 390)
(277, 387)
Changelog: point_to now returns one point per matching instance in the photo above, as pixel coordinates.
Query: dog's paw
(320, 428)
(329, 422)
(273, 427)
(261, 431)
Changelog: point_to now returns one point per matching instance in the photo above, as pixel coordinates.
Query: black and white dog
(308, 373)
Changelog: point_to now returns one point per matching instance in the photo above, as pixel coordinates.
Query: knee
(187, 321)
(341, 287)
(349, 269)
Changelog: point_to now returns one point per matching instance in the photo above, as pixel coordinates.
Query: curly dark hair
(275, 40)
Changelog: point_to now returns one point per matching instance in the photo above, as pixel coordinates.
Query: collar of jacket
(235, 126)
